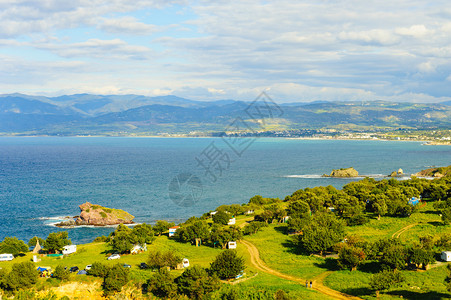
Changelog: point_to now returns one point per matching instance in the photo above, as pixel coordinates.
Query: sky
(349, 50)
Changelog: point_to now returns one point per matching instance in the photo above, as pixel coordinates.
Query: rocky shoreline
(96, 215)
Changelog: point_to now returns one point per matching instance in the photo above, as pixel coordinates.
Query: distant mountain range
(86, 114)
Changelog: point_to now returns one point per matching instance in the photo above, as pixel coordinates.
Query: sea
(44, 179)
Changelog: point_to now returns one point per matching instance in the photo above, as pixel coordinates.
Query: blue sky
(205, 50)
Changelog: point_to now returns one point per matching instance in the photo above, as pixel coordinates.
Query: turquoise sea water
(43, 178)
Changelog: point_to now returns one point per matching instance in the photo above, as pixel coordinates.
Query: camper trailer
(6, 256)
(446, 256)
(69, 249)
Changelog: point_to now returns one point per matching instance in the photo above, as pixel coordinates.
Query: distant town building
(172, 230)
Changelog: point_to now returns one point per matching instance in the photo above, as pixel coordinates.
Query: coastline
(425, 142)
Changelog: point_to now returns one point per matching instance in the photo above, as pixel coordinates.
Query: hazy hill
(135, 114)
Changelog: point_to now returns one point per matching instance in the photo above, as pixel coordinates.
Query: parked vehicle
(143, 266)
(126, 266)
(73, 269)
(114, 256)
(88, 267)
(6, 256)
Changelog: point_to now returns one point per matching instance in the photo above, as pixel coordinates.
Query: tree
(115, 278)
(227, 264)
(162, 226)
(121, 239)
(22, 276)
(160, 260)
(56, 241)
(446, 216)
(448, 279)
(162, 284)
(349, 257)
(196, 283)
(142, 234)
(33, 240)
(394, 257)
(222, 235)
(298, 209)
(319, 235)
(61, 273)
(221, 217)
(384, 280)
(98, 269)
(419, 256)
(13, 246)
(191, 232)
(254, 227)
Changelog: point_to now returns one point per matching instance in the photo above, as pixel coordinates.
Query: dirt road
(317, 282)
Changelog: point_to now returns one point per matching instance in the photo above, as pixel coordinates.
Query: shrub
(227, 264)
(22, 276)
(115, 279)
(61, 273)
(13, 245)
(196, 283)
(98, 270)
(159, 260)
(162, 284)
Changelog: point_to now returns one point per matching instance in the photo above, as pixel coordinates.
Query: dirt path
(402, 230)
(317, 281)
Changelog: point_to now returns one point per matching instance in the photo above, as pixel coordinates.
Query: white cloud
(96, 48)
(416, 31)
(127, 25)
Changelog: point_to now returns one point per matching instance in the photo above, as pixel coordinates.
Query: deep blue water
(43, 177)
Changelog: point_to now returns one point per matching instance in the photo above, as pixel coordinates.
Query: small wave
(57, 218)
(53, 224)
(303, 176)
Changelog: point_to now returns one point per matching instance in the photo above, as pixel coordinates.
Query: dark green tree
(22, 276)
(13, 246)
(142, 234)
(115, 279)
(394, 257)
(227, 264)
(162, 226)
(56, 241)
(420, 256)
(121, 240)
(162, 284)
(98, 269)
(61, 273)
(298, 209)
(349, 257)
(158, 259)
(385, 280)
(195, 282)
(192, 231)
(446, 215)
(323, 232)
(253, 227)
(221, 217)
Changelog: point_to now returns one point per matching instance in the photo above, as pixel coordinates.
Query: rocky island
(343, 172)
(434, 172)
(96, 215)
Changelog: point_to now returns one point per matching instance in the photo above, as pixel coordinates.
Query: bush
(227, 264)
(98, 270)
(13, 245)
(61, 273)
(101, 239)
(159, 260)
(221, 217)
(115, 279)
(196, 283)
(22, 276)
(162, 284)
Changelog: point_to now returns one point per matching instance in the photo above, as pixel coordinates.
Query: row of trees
(54, 242)
(195, 282)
